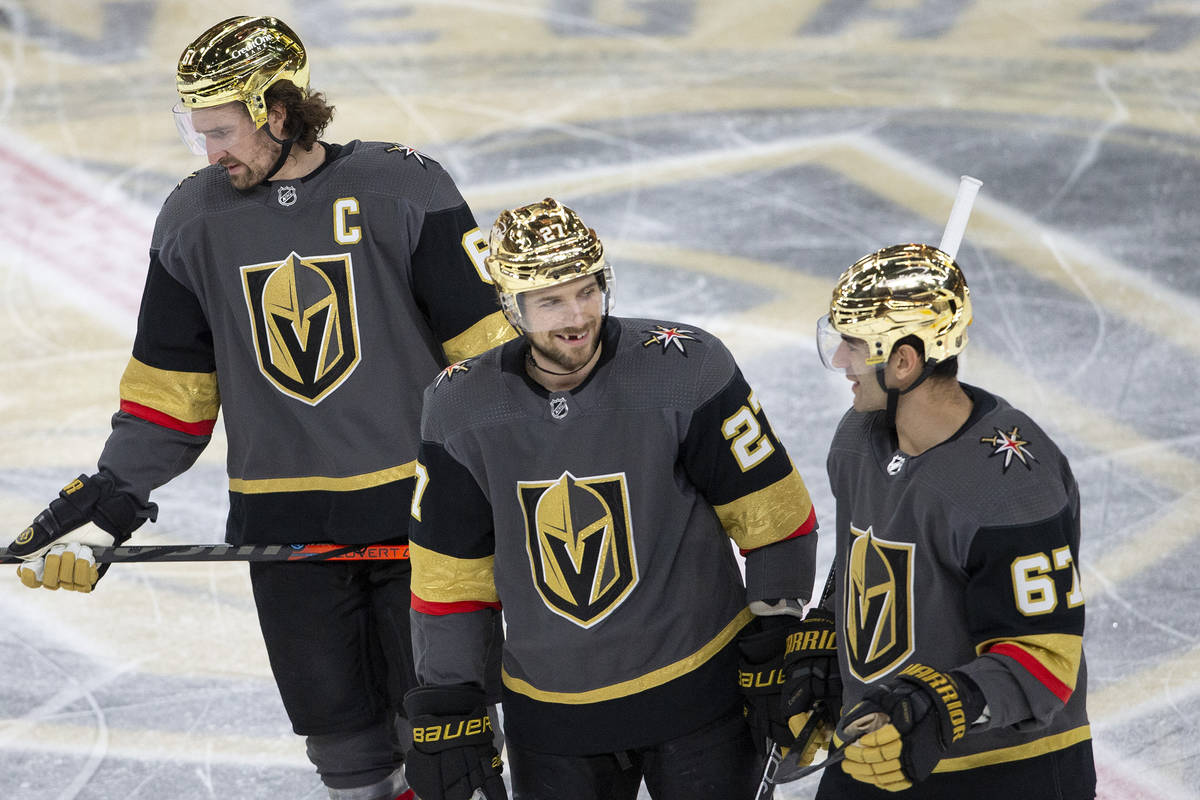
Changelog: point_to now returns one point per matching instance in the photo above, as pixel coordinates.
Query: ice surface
(735, 157)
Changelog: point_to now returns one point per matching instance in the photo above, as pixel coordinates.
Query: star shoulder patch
(1010, 445)
(449, 372)
(408, 151)
(669, 337)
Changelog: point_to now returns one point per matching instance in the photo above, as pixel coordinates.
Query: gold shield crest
(303, 320)
(579, 538)
(879, 604)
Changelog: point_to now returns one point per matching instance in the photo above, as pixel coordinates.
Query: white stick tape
(960, 212)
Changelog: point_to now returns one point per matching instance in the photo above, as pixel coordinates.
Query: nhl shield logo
(286, 195)
(558, 407)
(878, 603)
(303, 320)
(579, 538)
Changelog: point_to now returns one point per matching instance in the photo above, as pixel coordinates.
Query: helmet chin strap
(284, 151)
(893, 394)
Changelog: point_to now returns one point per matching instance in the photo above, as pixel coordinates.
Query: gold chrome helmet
(541, 245)
(899, 291)
(237, 61)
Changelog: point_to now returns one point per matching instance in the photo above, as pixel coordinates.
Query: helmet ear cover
(238, 60)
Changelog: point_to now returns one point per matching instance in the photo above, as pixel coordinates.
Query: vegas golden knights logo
(303, 319)
(879, 604)
(580, 544)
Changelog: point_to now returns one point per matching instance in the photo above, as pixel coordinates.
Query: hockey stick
(859, 728)
(245, 552)
(960, 212)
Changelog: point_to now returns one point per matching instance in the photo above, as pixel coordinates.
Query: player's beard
(256, 165)
(550, 354)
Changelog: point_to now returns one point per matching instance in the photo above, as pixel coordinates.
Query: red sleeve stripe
(202, 428)
(442, 609)
(1035, 668)
(809, 525)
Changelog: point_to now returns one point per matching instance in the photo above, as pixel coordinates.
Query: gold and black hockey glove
(928, 711)
(790, 682)
(812, 692)
(761, 678)
(454, 751)
(58, 555)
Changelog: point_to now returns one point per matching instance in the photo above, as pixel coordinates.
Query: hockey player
(310, 291)
(959, 609)
(587, 478)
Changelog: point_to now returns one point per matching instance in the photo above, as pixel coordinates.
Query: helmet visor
(843, 353)
(828, 342)
(206, 131)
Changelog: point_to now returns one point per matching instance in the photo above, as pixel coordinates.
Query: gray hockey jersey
(965, 557)
(600, 520)
(312, 313)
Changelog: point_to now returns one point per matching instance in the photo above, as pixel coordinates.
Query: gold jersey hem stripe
(318, 483)
(485, 334)
(641, 683)
(1038, 747)
(186, 396)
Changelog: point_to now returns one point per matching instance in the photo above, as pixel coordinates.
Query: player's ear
(905, 363)
(277, 119)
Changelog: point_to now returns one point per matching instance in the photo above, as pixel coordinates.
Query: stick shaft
(248, 552)
(960, 212)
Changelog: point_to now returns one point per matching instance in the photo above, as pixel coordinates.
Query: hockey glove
(453, 747)
(761, 675)
(57, 554)
(928, 712)
(812, 691)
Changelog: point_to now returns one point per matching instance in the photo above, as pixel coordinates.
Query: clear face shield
(575, 304)
(842, 353)
(213, 130)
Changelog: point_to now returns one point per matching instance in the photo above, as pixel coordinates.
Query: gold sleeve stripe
(438, 578)
(1052, 658)
(190, 397)
(1038, 747)
(640, 684)
(490, 331)
(319, 483)
(768, 515)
